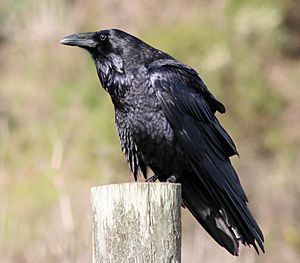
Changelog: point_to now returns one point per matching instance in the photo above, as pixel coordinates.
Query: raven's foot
(173, 178)
(152, 179)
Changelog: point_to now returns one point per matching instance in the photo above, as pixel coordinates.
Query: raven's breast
(145, 133)
(154, 139)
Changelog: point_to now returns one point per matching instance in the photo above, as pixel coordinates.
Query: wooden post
(136, 222)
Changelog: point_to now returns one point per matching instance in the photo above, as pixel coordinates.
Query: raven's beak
(84, 40)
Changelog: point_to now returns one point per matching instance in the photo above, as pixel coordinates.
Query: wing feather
(208, 147)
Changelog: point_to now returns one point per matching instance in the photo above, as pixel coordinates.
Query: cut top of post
(136, 222)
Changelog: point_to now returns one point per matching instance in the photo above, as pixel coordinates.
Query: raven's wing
(193, 79)
(212, 192)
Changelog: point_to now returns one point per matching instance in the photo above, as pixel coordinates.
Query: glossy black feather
(165, 118)
(207, 146)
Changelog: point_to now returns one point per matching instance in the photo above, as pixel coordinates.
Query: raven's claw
(152, 179)
(173, 178)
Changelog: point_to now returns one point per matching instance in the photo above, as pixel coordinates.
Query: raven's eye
(102, 37)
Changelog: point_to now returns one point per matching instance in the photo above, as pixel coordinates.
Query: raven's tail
(228, 227)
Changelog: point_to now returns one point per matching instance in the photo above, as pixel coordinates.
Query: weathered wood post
(136, 222)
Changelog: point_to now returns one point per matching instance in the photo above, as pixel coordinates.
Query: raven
(165, 118)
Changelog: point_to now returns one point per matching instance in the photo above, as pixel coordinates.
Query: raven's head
(117, 55)
(115, 46)
(103, 47)
(114, 52)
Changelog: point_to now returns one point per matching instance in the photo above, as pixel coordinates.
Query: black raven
(165, 118)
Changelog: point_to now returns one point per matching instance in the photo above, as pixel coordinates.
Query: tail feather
(228, 225)
(209, 218)
(215, 183)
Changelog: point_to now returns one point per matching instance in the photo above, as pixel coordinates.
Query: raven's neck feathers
(115, 71)
(112, 78)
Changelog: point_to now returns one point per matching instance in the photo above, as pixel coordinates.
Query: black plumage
(165, 118)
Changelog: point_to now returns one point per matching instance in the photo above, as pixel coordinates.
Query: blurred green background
(57, 135)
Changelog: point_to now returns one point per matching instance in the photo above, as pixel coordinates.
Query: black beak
(84, 40)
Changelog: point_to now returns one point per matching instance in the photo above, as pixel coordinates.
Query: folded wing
(213, 192)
